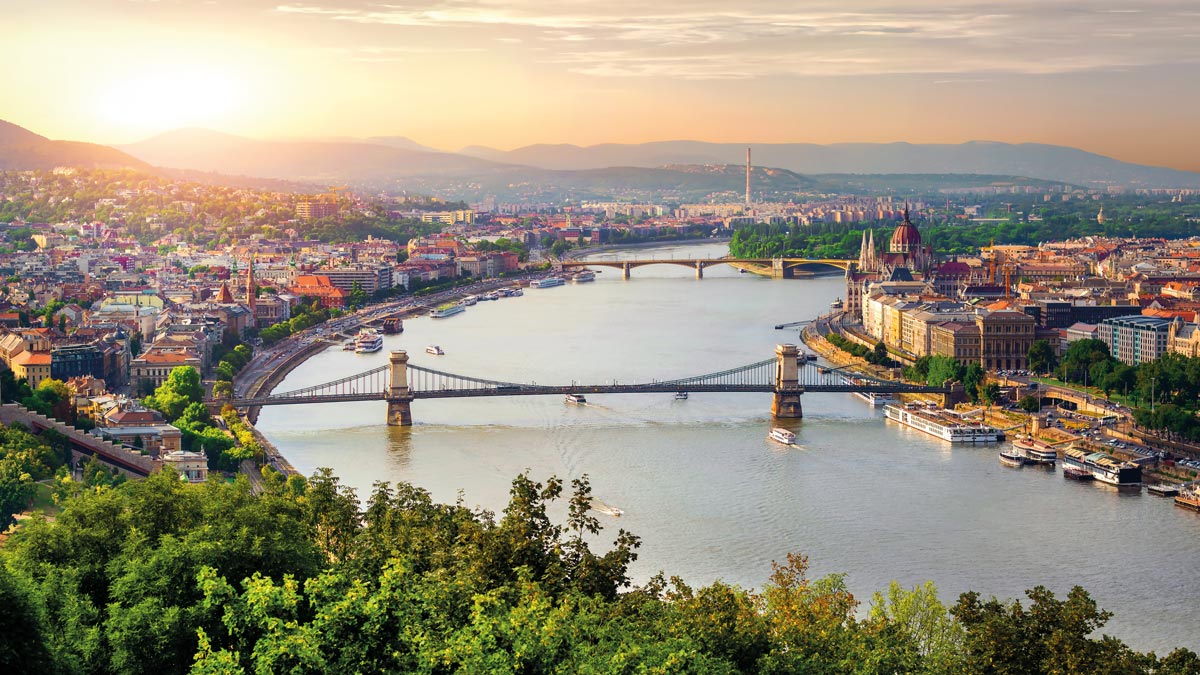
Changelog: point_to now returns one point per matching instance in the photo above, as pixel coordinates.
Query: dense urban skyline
(1107, 77)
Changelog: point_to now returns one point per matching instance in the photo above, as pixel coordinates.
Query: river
(710, 497)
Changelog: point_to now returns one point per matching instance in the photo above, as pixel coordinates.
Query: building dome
(906, 238)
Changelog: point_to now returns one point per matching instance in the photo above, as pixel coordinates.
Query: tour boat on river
(548, 282)
(447, 310)
(584, 276)
(435, 350)
(944, 425)
(368, 341)
(784, 436)
(578, 399)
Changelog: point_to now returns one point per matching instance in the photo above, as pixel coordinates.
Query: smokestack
(747, 176)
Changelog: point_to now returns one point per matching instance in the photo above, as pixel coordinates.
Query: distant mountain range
(23, 149)
(311, 161)
(1032, 160)
(684, 169)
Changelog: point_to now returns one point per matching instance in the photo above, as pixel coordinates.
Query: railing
(424, 382)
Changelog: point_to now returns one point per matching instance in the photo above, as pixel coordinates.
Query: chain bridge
(787, 376)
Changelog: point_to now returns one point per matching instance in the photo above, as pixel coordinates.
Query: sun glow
(161, 99)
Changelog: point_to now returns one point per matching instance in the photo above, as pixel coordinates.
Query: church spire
(251, 291)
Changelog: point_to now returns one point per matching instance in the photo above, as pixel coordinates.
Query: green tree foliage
(24, 460)
(181, 389)
(1042, 357)
(161, 577)
(1029, 403)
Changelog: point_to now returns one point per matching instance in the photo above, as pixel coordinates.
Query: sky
(1114, 77)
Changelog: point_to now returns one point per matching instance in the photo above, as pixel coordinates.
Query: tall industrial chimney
(747, 176)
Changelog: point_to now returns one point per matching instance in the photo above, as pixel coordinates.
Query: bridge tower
(625, 270)
(399, 396)
(699, 269)
(786, 404)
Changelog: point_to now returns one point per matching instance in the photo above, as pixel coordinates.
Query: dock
(1163, 489)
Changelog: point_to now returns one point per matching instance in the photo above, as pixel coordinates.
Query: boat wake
(607, 509)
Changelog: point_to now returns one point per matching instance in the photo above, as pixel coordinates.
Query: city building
(1135, 339)
(1004, 339)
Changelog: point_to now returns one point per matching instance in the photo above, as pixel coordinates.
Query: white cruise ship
(943, 425)
(368, 341)
(548, 282)
(586, 275)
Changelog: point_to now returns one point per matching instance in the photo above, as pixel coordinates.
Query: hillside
(22, 149)
(315, 161)
(1046, 162)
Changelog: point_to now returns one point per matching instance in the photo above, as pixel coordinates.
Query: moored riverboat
(447, 310)
(1189, 499)
(1013, 458)
(1103, 467)
(548, 282)
(944, 425)
(1036, 451)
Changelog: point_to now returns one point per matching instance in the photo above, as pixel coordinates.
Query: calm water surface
(710, 497)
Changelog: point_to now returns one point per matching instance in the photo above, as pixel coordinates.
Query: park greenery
(159, 577)
(1165, 393)
(305, 315)
(937, 370)
(1125, 217)
(877, 355)
(180, 399)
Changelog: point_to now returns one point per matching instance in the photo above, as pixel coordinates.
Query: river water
(710, 497)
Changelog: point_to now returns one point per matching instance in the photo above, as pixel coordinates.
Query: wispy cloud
(712, 39)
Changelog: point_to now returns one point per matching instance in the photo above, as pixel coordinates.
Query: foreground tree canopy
(161, 577)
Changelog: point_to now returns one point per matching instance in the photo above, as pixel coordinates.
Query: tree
(972, 377)
(990, 393)
(1041, 356)
(923, 623)
(181, 388)
(1029, 403)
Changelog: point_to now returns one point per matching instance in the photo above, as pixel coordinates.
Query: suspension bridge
(787, 376)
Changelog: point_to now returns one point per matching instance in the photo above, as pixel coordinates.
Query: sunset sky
(1119, 78)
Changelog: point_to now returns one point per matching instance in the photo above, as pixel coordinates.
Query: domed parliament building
(907, 259)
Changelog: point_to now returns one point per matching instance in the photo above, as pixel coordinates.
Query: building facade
(1135, 339)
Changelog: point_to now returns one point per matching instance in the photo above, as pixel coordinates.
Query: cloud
(714, 39)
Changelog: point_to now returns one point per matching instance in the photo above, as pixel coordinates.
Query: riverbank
(272, 365)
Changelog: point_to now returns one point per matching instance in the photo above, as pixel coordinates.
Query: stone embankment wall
(129, 462)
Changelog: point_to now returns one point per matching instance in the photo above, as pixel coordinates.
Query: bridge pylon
(625, 270)
(699, 269)
(786, 403)
(399, 396)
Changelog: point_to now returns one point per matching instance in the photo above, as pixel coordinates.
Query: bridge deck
(665, 388)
